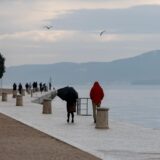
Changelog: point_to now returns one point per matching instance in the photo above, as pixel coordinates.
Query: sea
(136, 104)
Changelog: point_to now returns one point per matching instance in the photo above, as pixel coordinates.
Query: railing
(83, 105)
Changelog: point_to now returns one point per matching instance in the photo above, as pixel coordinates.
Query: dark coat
(71, 107)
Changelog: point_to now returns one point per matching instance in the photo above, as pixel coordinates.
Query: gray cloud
(140, 19)
(74, 37)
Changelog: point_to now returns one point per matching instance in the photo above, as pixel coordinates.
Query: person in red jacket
(96, 95)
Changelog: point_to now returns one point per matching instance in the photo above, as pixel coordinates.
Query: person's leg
(98, 105)
(68, 115)
(72, 113)
(94, 111)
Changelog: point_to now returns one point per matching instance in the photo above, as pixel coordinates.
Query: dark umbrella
(68, 94)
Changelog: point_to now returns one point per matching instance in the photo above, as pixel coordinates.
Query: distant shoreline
(145, 83)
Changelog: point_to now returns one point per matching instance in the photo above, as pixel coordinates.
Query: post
(47, 108)
(28, 90)
(31, 93)
(102, 118)
(19, 100)
(4, 96)
(78, 106)
(23, 92)
(14, 93)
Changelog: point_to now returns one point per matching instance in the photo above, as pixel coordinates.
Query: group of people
(96, 95)
(35, 86)
(20, 87)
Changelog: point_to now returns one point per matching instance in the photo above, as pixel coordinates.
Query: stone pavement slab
(21, 142)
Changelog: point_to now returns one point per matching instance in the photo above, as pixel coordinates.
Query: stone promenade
(21, 142)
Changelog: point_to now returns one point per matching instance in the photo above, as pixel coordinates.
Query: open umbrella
(68, 94)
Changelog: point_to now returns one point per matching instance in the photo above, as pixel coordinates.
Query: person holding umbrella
(70, 95)
(96, 95)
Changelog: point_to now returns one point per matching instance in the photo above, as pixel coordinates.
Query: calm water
(134, 104)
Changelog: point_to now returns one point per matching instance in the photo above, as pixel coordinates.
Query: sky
(132, 27)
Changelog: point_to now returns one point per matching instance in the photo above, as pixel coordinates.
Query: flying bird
(101, 33)
(48, 27)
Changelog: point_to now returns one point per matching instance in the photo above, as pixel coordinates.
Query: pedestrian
(41, 87)
(71, 103)
(96, 95)
(20, 88)
(14, 87)
(50, 86)
(27, 87)
(70, 95)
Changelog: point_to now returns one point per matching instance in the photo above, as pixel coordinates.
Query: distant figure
(96, 95)
(45, 87)
(35, 86)
(20, 88)
(14, 87)
(27, 87)
(50, 86)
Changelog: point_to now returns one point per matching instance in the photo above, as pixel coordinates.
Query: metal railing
(83, 105)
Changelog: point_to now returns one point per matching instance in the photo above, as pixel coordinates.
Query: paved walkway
(123, 141)
(21, 142)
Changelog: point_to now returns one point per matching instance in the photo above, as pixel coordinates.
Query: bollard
(31, 93)
(102, 118)
(4, 96)
(23, 92)
(47, 108)
(14, 93)
(19, 100)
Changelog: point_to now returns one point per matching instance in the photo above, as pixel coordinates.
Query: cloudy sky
(131, 27)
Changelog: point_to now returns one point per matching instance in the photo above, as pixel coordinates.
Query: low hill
(142, 69)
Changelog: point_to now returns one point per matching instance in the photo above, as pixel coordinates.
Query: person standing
(20, 88)
(14, 87)
(71, 103)
(96, 95)
(70, 95)
(50, 86)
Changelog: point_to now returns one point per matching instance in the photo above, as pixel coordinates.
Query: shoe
(68, 120)
(72, 121)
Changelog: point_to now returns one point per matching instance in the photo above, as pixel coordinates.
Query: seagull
(101, 33)
(48, 27)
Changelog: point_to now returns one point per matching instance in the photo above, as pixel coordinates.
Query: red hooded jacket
(96, 93)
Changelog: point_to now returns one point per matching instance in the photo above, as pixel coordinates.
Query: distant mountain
(142, 69)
